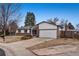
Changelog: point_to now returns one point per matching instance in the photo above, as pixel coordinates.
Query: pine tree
(70, 26)
(30, 19)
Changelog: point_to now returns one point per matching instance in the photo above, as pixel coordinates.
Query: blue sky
(45, 11)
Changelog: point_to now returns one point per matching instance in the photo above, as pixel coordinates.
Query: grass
(10, 39)
(53, 43)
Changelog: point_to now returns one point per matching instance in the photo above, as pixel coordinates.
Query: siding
(47, 26)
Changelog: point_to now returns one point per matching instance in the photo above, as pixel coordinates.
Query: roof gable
(47, 23)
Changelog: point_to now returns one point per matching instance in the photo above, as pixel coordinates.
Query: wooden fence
(69, 34)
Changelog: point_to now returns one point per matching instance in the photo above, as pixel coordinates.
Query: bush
(26, 37)
(1, 33)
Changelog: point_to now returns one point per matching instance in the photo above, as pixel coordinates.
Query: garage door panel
(48, 33)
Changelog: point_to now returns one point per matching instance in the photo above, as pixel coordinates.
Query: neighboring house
(69, 27)
(27, 30)
(67, 32)
(20, 31)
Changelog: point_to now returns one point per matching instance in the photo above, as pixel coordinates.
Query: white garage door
(48, 33)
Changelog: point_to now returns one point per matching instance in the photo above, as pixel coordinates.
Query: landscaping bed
(53, 43)
(55, 50)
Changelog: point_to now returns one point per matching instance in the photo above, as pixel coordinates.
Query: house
(31, 30)
(43, 29)
(47, 30)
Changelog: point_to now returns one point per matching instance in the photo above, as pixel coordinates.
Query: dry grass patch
(10, 39)
(13, 38)
(53, 43)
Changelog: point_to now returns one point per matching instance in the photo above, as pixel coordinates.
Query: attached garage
(47, 30)
(48, 33)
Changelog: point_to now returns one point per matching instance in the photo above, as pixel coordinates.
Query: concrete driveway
(19, 48)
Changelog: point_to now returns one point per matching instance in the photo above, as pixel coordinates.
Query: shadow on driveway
(2, 52)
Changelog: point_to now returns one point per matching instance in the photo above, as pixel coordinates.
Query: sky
(45, 11)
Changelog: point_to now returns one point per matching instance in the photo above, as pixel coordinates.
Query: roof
(47, 22)
(34, 27)
(28, 27)
(21, 28)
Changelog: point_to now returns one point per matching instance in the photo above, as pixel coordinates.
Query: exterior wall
(17, 31)
(22, 31)
(20, 34)
(47, 26)
(47, 30)
(37, 29)
(58, 32)
(28, 31)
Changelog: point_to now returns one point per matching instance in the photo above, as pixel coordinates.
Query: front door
(34, 32)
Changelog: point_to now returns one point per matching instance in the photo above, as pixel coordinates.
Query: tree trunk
(65, 31)
(4, 32)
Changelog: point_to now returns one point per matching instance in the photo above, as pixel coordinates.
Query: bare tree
(63, 25)
(13, 26)
(66, 21)
(77, 27)
(55, 20)
(7, 12)
(50, 20)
